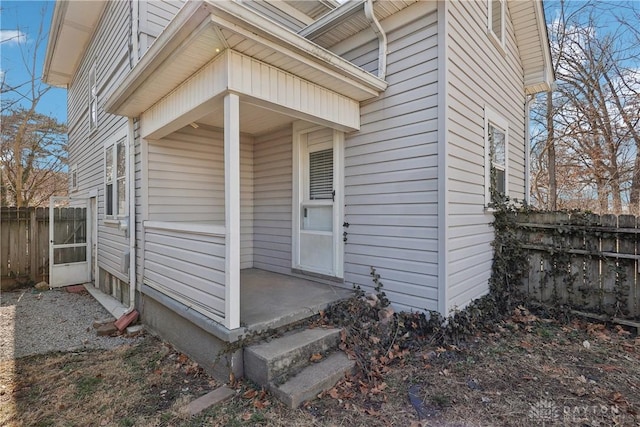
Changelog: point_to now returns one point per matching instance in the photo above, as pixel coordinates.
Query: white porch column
(232, 209)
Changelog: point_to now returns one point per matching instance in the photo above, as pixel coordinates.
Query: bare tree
(33, 145)
(590, 139)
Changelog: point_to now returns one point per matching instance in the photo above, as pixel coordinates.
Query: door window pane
(70, 226)
(69, 255)
(317, 218)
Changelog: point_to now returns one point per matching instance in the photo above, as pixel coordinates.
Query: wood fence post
(609, 264)
(33, 245)
(628, 268)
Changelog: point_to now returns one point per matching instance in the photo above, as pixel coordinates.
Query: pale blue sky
(26, 16)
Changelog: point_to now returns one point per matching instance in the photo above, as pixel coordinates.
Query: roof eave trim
(54, 32)
(544, 41)
(327, 21)
(61, 9)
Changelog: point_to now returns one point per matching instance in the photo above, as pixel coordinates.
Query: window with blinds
(321, 174)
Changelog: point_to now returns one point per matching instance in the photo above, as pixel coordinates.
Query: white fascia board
(544, 41)
(328, 21)
(54, 32)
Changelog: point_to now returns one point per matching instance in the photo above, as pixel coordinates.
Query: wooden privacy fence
(586, 261)
(24, 242)
(24, 245)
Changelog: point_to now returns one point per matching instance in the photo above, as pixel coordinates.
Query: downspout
(132, 218)
(133, 58)
(527, 149)
(382, 38)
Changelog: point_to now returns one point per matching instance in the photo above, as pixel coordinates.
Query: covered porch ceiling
(211, 48)
(254, 120)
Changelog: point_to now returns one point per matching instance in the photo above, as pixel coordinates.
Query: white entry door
(317, 210)
(69, 252)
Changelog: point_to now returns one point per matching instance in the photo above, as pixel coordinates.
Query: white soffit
(533, 44)
(191, 41)
(72, 28)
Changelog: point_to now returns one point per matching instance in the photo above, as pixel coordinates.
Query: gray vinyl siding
(391, 170)
(186, 181)
(477, 80)
(186, 177)
(109, 49)
(188, 267)
(365, 56)
(246, 201)
(154, 17)
(272, 201)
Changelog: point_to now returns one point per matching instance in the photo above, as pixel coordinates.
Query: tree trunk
(551, 156)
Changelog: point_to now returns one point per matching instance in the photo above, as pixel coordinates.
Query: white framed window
(73, 177)
(115, 179)
(496, 154)
(93, 98)
(496, 21)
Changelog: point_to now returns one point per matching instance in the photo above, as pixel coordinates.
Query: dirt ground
(531, 372)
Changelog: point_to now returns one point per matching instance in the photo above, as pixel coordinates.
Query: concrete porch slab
(271, 300)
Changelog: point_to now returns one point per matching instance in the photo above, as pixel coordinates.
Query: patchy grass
(143, 384)
(530, 371)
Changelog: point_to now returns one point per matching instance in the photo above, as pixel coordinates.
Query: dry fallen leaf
(334, 393)
(616, 396)
(261, 404)
(315, 357)
(379, 388)
(371, 411)
(250, 394)
(622, 331)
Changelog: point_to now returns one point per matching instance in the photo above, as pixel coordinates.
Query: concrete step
(273, 361)
(314, 379)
